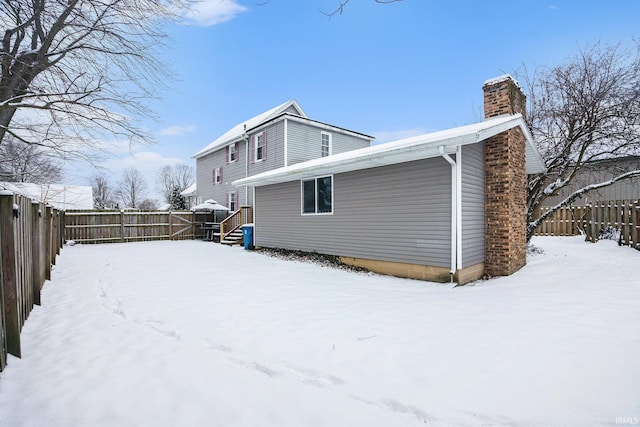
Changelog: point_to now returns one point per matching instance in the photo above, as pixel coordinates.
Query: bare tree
(585, 110)
(103, 193)
(343, 3)
(20, 162)
(169, 178)
(148, 205)
(340, 8)
(131, 188)
(76, 71)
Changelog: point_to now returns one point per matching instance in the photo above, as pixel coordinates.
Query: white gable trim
(237, 132)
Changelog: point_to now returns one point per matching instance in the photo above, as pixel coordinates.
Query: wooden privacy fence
(566, 221)
(31, 236)
(130, 226)
(623, 215)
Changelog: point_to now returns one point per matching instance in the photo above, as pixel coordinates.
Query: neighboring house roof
(60, 196)
(236, 133)
(404, 150)
(189, 191)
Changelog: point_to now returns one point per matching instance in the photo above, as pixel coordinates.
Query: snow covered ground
(193, 333)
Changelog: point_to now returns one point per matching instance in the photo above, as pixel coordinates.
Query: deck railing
(242, 216)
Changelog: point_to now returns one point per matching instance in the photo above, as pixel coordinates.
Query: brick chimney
(505, 181)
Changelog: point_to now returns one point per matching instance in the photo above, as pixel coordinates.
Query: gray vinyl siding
(473, 203)
(304, 142)
(292, 110)
(600, 172)
(238, 169)
(275, 149)
(207, 189)
(398, 213)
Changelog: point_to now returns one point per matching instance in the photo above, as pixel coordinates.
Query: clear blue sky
(389, 70)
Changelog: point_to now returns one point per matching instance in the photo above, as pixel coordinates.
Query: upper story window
(325, 148)
(317, 195)
(233, 152)
(259, 147)
(217, 175)
(233, 155)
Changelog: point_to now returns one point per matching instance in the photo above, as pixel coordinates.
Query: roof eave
(421, 147)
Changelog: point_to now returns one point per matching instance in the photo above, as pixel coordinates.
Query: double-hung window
(259, 147)
(317, 195)
(217, 175)
(233, 155)
(232, 201)
(325, 141)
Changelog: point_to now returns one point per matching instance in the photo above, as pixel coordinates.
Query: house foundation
(415, 271)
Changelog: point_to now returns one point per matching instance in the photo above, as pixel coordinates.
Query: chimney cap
(500, 79)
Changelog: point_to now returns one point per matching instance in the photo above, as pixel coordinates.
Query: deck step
(232, 239)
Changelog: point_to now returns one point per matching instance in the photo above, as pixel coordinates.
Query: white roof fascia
(236, 133)
(414, 148)
(315, 123)
(331, 128)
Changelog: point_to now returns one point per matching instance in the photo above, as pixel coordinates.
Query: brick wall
(505, 182)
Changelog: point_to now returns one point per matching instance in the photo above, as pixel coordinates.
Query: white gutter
(456, 209)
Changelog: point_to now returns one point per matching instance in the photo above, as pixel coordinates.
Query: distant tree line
(131, 190)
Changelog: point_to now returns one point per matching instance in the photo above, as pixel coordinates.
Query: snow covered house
(599, 171)
(190, 196)
(60, 196)
(443, 206)
(279, 137)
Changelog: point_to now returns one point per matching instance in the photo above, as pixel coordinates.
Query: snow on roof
(189, 191)
(404, 150)
(499, 79)
(60, 196)
(238, 130)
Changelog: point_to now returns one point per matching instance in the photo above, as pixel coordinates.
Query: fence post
(592, 222)
(122, 225)
(54, 235)
(635, 223)
(170, 225)
(47, 244)
(3, 336)
(35, 252)
(9, 283)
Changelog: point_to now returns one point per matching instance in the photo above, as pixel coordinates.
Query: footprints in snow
(113, 305)
(105, 289)
(280, 369)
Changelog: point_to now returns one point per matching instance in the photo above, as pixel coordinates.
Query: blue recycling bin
(247, 236)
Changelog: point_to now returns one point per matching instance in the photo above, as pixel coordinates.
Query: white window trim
(233, 154)
(315, 179)
(255, 147)
(330, 142)
(217, 178)
(232, 195)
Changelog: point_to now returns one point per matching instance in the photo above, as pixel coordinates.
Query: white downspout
(286, 143)
(454, 210)
(246, 163)
(459, 207)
